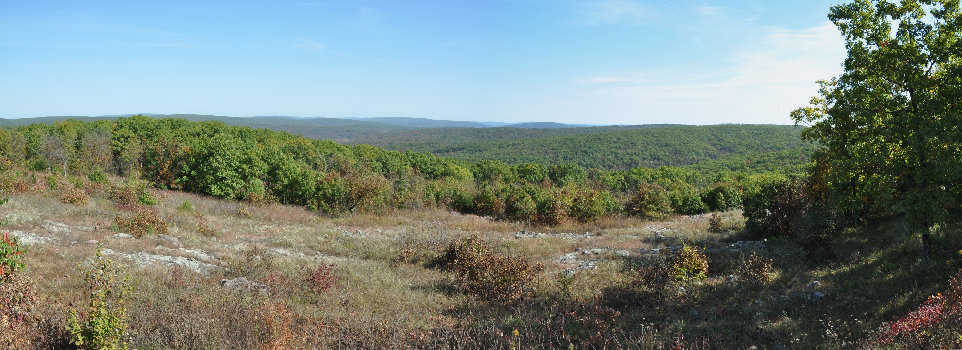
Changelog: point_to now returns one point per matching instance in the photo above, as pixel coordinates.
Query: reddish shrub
(937, 323)
(322, 278)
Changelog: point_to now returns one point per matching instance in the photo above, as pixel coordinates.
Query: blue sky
(572, 61)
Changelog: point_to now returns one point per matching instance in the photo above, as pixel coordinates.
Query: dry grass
(383, 301)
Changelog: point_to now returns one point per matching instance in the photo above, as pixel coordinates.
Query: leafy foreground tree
(891, 122)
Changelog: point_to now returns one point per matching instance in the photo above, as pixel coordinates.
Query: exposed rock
(622, 252)
(92, 241)
(243, 284)
(525, 234)
(593, 251)
(27, 238)
(147, 259)
(568, 258)
(122, 236)
(170, 240)
(814, 284)
(56, 227)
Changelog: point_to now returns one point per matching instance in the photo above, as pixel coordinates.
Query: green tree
(890, 123)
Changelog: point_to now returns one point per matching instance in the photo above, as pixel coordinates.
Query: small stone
(622, 252)
(681, 290)
(122, 236)
(818, 295)
(814, 284)
(92, 241)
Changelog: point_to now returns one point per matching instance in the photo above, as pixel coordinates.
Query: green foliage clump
(685, 200)
(889, 122)
(105, 325)
(688, 263)
(589, 205)
(723, 197)
(777, 209)
(486, 274)
(650, 201)
(11, 255)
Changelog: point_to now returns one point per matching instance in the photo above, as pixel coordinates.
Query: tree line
(257, 165)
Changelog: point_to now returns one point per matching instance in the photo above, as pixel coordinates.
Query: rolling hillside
(611, 147)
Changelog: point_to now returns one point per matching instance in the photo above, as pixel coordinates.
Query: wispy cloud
(306, 44)
(768, 79)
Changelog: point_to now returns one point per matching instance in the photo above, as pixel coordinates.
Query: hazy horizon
(604, 61)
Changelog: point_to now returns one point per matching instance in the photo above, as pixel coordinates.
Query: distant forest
(216, 159)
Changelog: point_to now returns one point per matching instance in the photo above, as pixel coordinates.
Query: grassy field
(232, 275)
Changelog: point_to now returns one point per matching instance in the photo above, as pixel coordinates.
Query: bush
(487, 275)
(649, 202)
(518, 206)
(146, 221)
(688, 263)
(18, 320)
(75, 196)
(588, 206)
(755, 269)
(322, 278)
(97, 175)
(723, 197)
(936, 324)
(777, 209)
(11, 255)
(685, 200)
(715, 223)
(105, 326)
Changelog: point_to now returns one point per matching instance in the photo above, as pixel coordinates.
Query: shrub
(723, 197)
(97, 175)
(75, 196)
(588, 206)
(131, 194)
(650, 202)
(519, 206)
(488, 275)
(715, 223)
(777, 209)
(685, 200)
(487, 203)
(122, 195)
(17, 317)
(322, 278)
(936, 324)
(105, 326)
(755, 269)
(11, 255)
(688, 263)
(146, 221)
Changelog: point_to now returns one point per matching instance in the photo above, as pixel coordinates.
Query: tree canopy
(890, 122)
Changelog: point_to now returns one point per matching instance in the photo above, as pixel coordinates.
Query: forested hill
(612, 148)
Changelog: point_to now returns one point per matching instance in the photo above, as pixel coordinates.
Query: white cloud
(761, 83)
